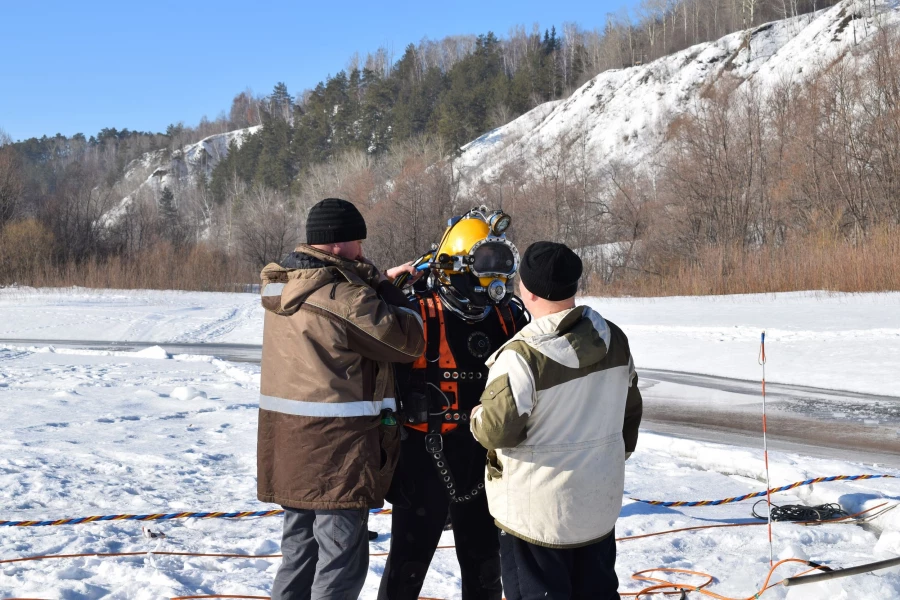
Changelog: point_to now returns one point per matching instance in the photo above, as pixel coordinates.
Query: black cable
(798, 512)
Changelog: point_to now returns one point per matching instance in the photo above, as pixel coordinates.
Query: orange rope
(224, 555)
(661, 584)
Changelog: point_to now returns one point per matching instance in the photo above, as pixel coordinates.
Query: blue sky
(72, 67)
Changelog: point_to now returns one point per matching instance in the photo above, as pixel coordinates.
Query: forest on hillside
(746, 173)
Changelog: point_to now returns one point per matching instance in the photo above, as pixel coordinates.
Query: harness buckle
(434, 442)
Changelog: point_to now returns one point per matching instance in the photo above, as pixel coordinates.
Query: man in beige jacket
(559, 416)
(327, 441)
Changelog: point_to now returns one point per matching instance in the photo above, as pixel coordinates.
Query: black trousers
(420, 508)
(532, 572)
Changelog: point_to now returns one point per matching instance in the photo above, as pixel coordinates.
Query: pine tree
(168, 216)
(340, 134)
(275, 167)
(280, 102)
(375, 121)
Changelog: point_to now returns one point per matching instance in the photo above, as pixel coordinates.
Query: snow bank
(153, 352)
(187, 393)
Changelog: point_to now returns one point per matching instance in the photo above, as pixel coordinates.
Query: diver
(467, 303)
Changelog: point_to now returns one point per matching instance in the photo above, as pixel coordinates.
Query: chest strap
(437, 371)
(438, 365)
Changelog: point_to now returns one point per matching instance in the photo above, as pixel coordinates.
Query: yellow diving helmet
(474, 263)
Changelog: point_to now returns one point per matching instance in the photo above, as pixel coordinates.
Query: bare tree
(74, 210)
(245, 110)
(268, 226)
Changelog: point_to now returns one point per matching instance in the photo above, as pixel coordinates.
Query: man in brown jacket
(327, 442)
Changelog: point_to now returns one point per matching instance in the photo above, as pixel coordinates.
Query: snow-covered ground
(130, 316)
(98, 432)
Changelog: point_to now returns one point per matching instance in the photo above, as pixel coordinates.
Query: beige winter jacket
(560, 411)
(329, 340)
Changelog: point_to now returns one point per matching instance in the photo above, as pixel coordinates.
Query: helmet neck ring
(459, 305)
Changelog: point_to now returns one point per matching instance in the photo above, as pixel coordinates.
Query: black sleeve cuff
(391, 294)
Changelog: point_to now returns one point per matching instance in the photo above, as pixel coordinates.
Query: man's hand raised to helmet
(395, 272)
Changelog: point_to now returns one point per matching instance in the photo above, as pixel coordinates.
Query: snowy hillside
(160, 169)
(624, 113)
(201, 157)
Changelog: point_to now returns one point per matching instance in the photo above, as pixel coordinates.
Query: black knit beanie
(334, 220)
(550, 270)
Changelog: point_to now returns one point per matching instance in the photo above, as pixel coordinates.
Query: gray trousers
(326, 555)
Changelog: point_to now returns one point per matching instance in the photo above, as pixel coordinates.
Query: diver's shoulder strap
(433, 334)
(507, 320)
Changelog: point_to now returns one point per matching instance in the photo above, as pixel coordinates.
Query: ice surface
(129, 315)
(836, 341)
(820, 339)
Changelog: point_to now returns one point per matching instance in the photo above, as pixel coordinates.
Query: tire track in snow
(219, 327)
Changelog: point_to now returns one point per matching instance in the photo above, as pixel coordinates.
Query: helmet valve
(496, 290)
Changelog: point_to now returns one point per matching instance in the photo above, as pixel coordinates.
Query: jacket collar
(553, 325)
(287, 284)
(364, 271)
(574, 338)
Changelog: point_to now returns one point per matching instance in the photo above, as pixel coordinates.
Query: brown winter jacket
(329, 339)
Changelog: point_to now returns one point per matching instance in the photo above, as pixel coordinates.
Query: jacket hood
(288, 283)
(575, 338)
